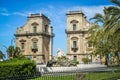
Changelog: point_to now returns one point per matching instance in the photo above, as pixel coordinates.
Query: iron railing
(69, 75)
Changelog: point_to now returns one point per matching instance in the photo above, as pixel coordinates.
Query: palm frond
(117, 2)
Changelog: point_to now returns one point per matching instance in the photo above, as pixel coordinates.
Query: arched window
(74, 27)
(34, 29)
(22, 45)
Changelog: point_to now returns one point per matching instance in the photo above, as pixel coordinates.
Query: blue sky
(13, 14)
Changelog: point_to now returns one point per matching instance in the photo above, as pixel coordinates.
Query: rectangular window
(22, 45)
(34, 29)
(34, 45)
(74, 27)
(74, 44)
(75, 58)
(46, 28)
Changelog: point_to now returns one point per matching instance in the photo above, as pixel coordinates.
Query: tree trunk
(106, 60)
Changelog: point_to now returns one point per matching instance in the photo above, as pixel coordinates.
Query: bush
(50, 63)
(85, 60)
(73, 63)
(17, 66)
(76, 62)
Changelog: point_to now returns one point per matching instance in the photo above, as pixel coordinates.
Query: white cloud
(58, 12)
(57, 15)
(90, 11)
(4, 12)
(20, 13)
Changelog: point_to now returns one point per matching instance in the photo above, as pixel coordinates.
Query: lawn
(68, 77)
(101, 76)
(89, 76)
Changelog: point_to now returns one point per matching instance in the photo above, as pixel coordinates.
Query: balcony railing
(74, 49)
(32, 34)
(76, 31)
(34, 49)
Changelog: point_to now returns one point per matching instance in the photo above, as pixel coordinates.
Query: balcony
(74, 49)
(34, 34)
(76, 31)
(34, 49)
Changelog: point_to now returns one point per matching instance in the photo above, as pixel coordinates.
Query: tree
(13, 52)
(104, 35)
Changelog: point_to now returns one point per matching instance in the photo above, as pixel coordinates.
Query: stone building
(35, 38)
(60, 53)
(77, 36)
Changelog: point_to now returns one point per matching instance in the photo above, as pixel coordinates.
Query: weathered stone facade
(35, 38)
(77, 36)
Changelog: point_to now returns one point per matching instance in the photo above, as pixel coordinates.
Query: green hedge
(17, 66)
(85, 60)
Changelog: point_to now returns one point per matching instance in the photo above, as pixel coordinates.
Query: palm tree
(97, 40)
(1, 55)
(113, 29)
(105, 39)
(116, 2)
(13, 52)
(10, 51)
(17, 52)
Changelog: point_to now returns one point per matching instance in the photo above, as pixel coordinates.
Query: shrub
(50, 63)
(17, 66)
(85, 60)
(76, 62)
(73, 63)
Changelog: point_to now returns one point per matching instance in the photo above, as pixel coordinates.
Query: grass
(101, 76)
(89, 76)
(67, 77)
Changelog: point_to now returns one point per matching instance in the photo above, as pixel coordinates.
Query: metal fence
(22, 77)
(79, 75)
(90, 74)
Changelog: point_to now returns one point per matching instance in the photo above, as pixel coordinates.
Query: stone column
(51, 44)
(40, 47)
(50, 50)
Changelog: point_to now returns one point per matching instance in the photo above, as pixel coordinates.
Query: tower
(77, 35)
(35, 38)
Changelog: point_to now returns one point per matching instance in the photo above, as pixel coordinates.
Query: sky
(13, 14)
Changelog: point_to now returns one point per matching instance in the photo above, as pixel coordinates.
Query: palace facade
(35, 38)
(77, 36)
